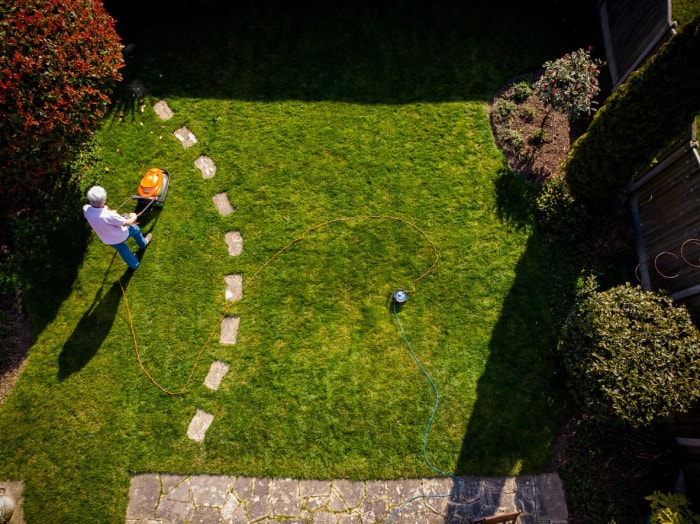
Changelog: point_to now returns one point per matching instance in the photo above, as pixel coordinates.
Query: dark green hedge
(651, 110)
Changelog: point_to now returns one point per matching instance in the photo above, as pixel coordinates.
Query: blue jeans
(125, 252)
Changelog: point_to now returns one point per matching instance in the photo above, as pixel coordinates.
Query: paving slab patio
(211, 499)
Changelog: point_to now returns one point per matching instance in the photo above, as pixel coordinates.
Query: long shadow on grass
(364, 51)
(53, 267)
(94, 326)
(521, 397)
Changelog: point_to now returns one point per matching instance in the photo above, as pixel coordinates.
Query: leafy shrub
(672, 508)
(650, 111)
(514, 140)
(527, 113)
(59, 60)
(56, 203)
(636, 462)
(631, 355)
(504, 110)
(539, 136)
(570, 83)
(13, 257)
(560, 218)
(520, 91)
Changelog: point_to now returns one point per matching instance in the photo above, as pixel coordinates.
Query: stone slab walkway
(241, 500)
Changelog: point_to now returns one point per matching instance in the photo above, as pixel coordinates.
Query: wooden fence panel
(666, 208)
(632, 31)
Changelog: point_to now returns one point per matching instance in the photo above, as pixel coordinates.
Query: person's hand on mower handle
(130, 219)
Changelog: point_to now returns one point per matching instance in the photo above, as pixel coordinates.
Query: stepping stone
(185, 136)
(216, 374)
(206, 166)
(163, 110)
(199, 425)
(223, 206)
(229, 330)
(11, 505)
(234, 240)
(234, 287)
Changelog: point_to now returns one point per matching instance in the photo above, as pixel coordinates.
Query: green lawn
(310, 115)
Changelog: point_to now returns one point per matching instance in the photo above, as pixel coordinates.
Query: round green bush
(631, 355)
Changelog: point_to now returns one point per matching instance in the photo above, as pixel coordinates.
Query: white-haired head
(97, 196)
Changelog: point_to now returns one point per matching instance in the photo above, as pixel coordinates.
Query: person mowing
(112, 228)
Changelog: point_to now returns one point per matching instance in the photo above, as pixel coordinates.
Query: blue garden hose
(457, 487)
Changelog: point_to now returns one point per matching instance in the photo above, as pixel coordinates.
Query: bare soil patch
(534, 139)
(15, 339)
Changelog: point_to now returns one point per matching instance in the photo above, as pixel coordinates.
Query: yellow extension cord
(252, 278)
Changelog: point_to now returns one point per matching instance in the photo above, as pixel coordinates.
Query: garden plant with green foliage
(671, 508)
(570, 83)
(632, 356)
(59, 60)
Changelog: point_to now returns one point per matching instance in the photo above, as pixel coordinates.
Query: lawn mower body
(153, 188)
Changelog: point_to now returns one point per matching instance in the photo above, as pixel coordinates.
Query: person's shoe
(148, 237)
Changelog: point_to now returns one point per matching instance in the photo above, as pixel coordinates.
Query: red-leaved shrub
(59, 61)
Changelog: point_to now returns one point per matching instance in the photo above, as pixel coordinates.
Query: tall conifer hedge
(651, 110)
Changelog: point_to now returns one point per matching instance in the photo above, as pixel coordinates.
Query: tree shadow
(94, 326)
(364, 51)
(53, 265)
(478, 497)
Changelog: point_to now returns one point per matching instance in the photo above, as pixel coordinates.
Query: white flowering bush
(570, 83)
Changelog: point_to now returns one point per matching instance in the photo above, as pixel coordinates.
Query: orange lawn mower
(152, 190)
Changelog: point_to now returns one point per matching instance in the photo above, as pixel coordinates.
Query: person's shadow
(93, 328)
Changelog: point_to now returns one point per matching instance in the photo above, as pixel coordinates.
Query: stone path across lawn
(209, 499)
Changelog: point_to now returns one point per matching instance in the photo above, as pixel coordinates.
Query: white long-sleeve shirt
(108, 224)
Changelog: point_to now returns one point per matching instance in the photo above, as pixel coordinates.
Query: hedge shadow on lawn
(523, 366)
(53, 267)
(361, 52)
